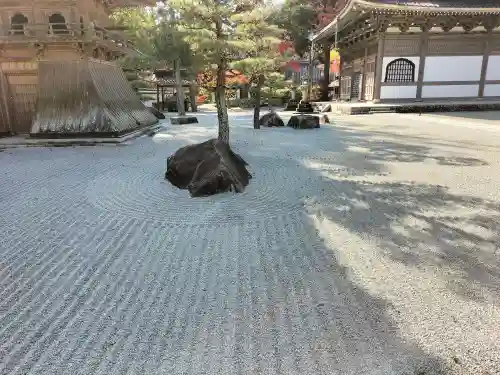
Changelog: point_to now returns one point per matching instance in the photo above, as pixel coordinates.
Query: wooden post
(484, 66)
(424, 42)
(378, 67)
(181, 111)
(162, 99)
(363, 77)
(158, 97)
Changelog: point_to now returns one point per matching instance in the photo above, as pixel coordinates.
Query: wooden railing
(53, 31)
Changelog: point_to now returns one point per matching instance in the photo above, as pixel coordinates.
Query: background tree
(263, 57)
(214, 31)
(299, 20)
(159, 43)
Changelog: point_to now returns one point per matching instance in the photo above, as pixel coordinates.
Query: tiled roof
(442, 3)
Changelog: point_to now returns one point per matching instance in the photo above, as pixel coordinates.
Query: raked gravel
(366, 247)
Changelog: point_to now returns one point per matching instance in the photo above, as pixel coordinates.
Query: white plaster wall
(413, 59)
(450, 91)
(491, 90)
(452, 68)
(493, 71)
(398, 92)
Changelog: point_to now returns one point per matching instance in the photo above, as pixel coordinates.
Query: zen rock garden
(211, 167)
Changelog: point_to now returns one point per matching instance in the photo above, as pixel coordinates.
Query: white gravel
(369, 246)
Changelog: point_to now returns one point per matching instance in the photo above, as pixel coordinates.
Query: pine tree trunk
(326, 75)
(192, 97)
(220, 102)
(180, 90)
(256, 108)
(220, 87)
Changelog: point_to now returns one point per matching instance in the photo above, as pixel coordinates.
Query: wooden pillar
(363, 77)
(378, 67)
(484, 66)
(158, 97)
(424, 42)
(162, 99)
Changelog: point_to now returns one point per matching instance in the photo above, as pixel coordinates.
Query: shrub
(145, 98)
(138, 84)
(246, 103)
(275, 101)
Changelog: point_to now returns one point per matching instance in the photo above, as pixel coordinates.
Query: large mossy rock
(271, 119)
(207, 168)
(304, 122)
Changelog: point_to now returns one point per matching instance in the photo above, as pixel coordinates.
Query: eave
(354, 8)
(112, 4)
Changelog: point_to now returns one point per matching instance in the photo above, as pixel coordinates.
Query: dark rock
(304, 122)
(271, 119)
(182, 120)
(305, 107)
(156, 113)
(207, 168)
(291, 105)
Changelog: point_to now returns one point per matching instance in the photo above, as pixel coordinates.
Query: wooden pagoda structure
(57, 75)
(417, 51)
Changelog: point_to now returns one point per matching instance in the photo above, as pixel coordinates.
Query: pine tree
(214, 31)
(262, 56)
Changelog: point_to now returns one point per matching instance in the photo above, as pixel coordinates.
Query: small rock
(304, 122)
(271, 119)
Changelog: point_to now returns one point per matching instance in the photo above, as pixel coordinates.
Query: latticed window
(400, 70)
(18, 24)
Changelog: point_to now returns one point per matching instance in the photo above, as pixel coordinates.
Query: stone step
(381, 110)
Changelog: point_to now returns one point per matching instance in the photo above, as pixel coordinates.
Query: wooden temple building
(418, 51)
(57, 75)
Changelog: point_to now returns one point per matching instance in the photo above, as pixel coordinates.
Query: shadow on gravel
(338, 322)
(418, 224)
(353, 329)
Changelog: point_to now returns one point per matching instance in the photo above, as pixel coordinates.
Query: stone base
(182, 120)
(455, 105)
(305, 107)
(92, 139)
